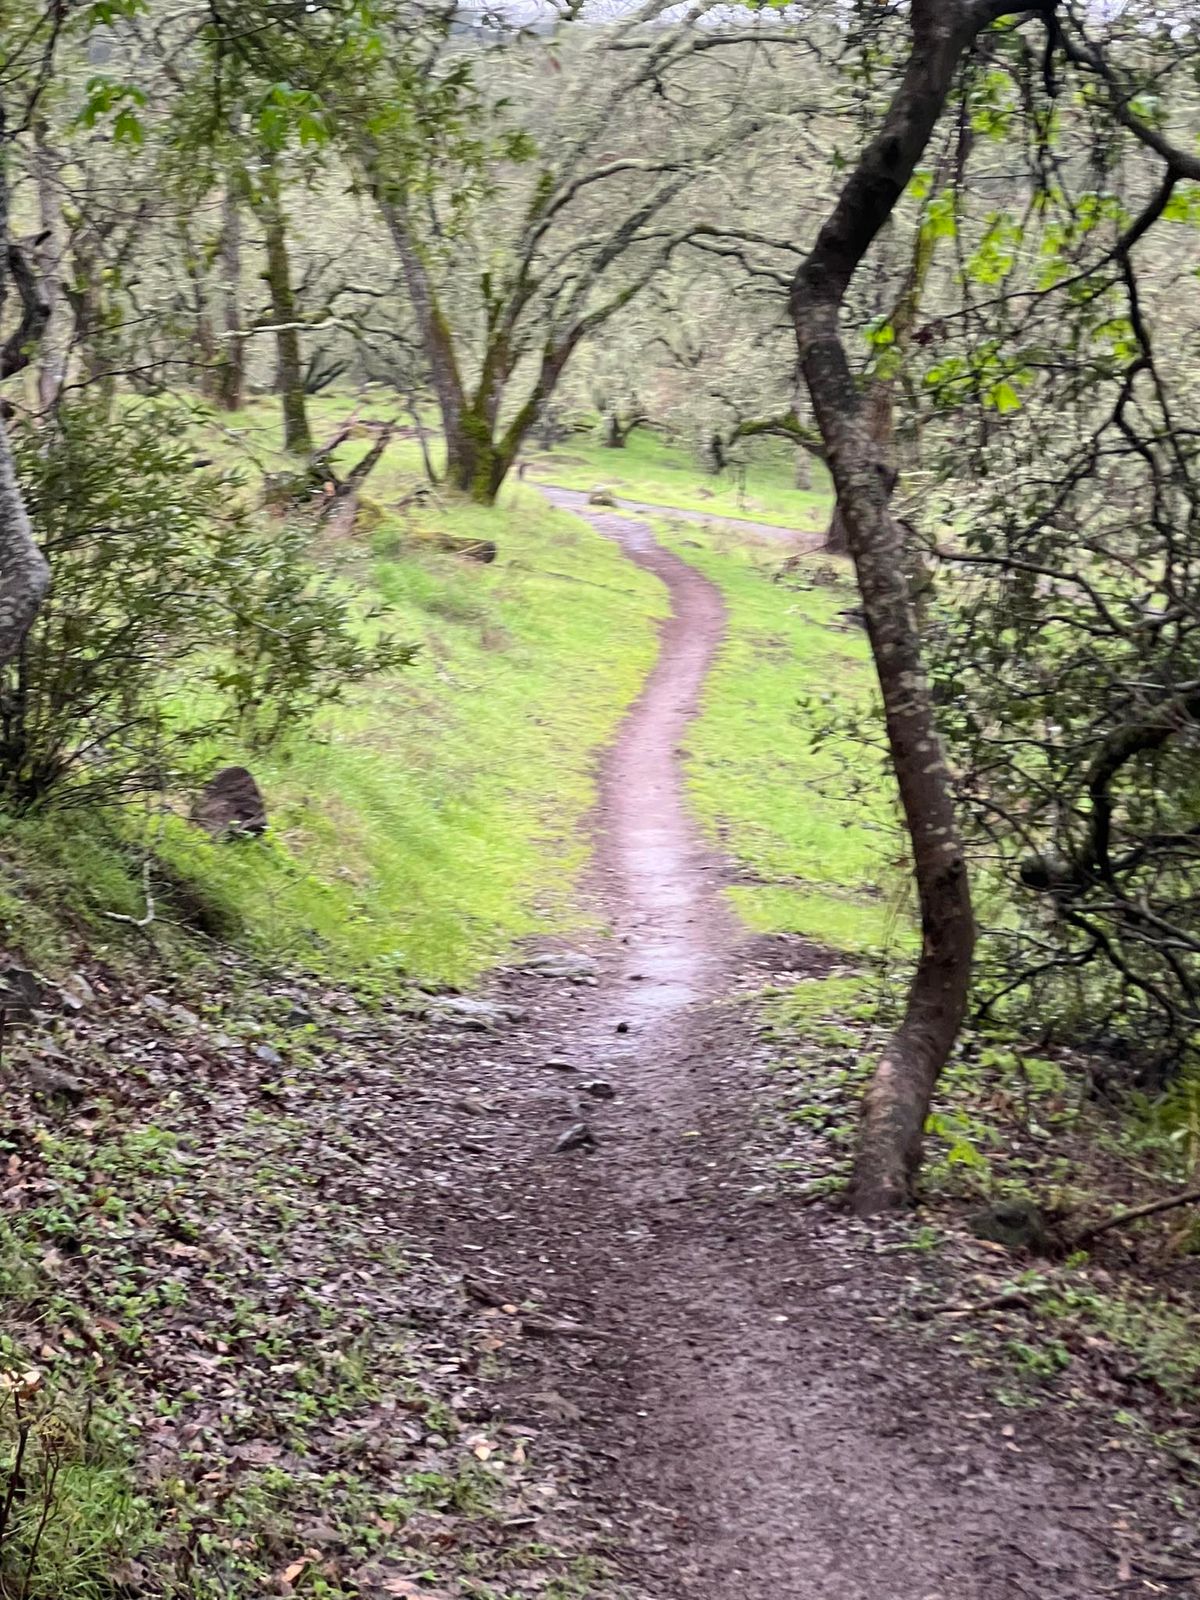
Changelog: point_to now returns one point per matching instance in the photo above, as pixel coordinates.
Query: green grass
(811, 826)
(434, 818)
(651, 469)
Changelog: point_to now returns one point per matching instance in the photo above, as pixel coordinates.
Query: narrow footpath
(751, 1419)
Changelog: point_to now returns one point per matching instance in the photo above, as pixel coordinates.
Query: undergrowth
(430, 820)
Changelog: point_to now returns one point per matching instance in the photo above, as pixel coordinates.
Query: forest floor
(515, 1298)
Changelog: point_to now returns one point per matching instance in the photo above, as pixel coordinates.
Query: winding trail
(753, 1425)
(771, 1444)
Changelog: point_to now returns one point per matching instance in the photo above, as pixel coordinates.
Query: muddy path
(756, 1419)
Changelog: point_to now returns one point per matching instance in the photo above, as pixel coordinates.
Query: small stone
(77, 993)
(559, 1064)
(562, 964)
(479, 1016)
(599, 1089)
(268, 1056)
(20, 989)
(50, 1081)
(578, 1137)
(601, 497)
(622, 1027)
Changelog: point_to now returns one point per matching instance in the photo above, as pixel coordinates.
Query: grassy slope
(651, 469)
(809, 824)
(433, 818)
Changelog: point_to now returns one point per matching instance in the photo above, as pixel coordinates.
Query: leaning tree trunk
(24, 572)
(897, 1102)
(289, 378)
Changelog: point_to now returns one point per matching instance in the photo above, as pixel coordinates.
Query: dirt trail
(756, 1425)
(576, 500)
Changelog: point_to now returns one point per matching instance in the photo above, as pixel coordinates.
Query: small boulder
(1016, 1224)
(77, 993)
(602, 497)
(562, 964)
(230, 804)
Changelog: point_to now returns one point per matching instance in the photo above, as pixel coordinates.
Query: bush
(175, 617)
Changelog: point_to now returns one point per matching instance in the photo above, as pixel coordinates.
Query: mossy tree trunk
(289, 374)
(481, 449)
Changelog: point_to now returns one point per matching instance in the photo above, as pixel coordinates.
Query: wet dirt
(757, 1420)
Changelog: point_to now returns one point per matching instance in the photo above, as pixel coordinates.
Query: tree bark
(54, 348)
(289, 377)
(24, 572)
(897, 1102)
(231, 365)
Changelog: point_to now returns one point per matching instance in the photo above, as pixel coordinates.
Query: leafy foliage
(175, 620)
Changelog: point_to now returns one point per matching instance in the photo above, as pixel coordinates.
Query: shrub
(175, 617)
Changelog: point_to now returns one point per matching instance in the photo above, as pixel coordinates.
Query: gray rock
(1016, 1224)
(601, 497)
(578, 1137)
(77, 993)
(480, 1016)
(230, 805)
(268, 1056)
(562, 964)
(20, 990)
(599, 1089)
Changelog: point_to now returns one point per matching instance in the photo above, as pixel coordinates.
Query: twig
(1005, 1300)
(138, 922)
(531, 1321)
(1151, 1208)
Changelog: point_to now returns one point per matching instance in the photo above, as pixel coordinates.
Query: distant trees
(558, 217)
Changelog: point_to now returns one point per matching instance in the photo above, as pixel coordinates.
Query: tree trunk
(24, 572)
(95, 320)
(614, 439)
(289, 376)
(54, 348)
(897, 1102)
(837, 535)
(231, 363)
